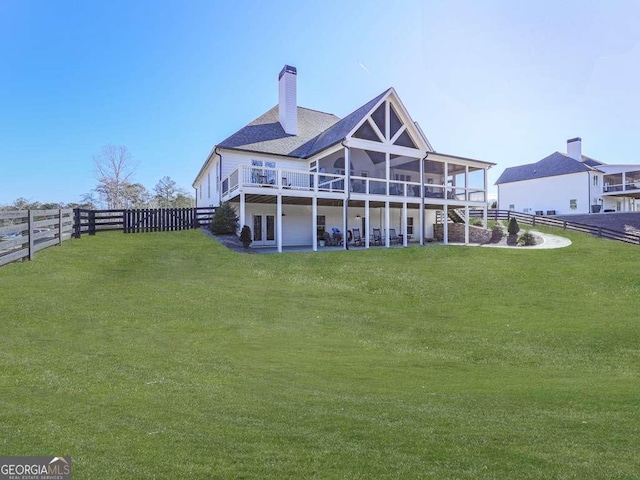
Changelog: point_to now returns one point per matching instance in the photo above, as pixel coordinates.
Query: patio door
(264, 230)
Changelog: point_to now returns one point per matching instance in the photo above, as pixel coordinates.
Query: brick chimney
(287, 100)
(574, 148)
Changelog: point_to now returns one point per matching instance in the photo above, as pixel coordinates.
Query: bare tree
(113, 171)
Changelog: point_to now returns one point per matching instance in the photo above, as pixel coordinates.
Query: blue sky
(502, 81)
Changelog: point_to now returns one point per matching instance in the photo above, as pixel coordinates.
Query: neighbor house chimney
(574, 148)
(287, 101)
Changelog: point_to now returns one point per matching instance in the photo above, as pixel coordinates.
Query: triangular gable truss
(389, 123)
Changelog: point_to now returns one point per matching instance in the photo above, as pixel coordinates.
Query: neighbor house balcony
(302, 183)
(622, 184)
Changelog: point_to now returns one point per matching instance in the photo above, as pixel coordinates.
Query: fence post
(30, 234)
(600, 231)
(533, 223)
(564, 225)
(92, 222)
(60, 226)
(77, 231)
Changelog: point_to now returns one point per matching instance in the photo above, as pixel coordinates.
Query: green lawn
(165, 355)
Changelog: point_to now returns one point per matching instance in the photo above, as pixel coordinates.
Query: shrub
(477, 222)
(245, 236)
(527, 239)
(225, 220)
(513, 227)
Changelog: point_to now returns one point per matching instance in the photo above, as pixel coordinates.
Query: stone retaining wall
(456, 233)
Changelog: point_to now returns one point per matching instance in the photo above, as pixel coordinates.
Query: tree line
(116, 188)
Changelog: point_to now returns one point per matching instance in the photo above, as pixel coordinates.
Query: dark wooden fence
(140, 220)
(544, 220)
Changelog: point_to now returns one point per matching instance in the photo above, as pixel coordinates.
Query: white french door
(264, 230)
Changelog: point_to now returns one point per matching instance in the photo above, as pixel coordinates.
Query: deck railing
(267, 177)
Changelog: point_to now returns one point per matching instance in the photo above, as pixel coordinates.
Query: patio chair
(377, 236)
(393, 237)
(327, 239)
(357, 239)
(337, 236)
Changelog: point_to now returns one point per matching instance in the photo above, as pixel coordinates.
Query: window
(573, 204)
(321, 226)
(200, 191)
(265, 175)
(366, 132)
(595, 180)
(512, 207)
(402, 177)
(209, 184)
(409, 225)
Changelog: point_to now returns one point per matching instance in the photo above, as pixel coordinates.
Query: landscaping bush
(513, 227)
(527, 239)
(245, 236)
(497, 232)
(477, 222)
(225, 220)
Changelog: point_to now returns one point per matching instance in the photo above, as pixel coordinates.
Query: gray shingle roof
(592, 162)
(316, 131)
(266, 135)
(555, 164)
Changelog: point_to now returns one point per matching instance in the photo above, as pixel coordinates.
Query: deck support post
(387, 243)
(243, 219)
(445, 225)
(366, 224)
(466, 224)
(404, 224)
(314, 223)
(279, 222)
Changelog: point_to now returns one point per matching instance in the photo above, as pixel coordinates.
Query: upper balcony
(270, 181)
(622, 184)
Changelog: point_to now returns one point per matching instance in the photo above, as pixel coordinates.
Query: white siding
(550, 193)
(207, 187)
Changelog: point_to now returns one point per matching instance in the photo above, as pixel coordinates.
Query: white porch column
(314, 223)
(485, 215)
(446, 183)
(243, 220)
(421, 220)
(366, 224)
(279, 222)
(387, 174)
(386, 224)
(347, 195)
(421, 209)
(466, 224)
(486, 191)
(404, 224)
(445, 225)
(466, 183)
(345, 213)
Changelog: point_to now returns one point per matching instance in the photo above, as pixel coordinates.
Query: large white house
(294, 174)
(569, 183)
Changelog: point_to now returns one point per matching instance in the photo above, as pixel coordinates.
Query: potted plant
(245, 236)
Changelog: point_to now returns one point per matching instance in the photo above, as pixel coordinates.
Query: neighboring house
(569, 183)
(294, 174)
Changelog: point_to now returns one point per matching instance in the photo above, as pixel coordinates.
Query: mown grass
(167, 356)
